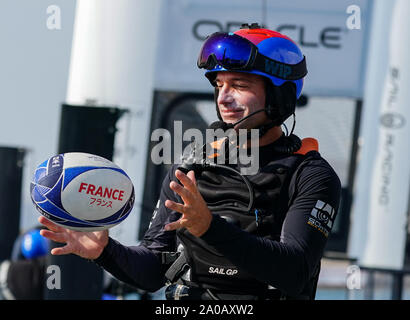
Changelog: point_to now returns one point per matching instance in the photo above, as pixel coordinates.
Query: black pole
(397, 286)
(91, 130)
(11, 164)
(369, 289)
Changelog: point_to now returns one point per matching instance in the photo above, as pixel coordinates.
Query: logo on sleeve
(322, 217)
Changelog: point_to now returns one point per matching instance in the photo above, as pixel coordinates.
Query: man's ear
(280, 101)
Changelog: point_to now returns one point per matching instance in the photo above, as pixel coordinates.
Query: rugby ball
(82, 191)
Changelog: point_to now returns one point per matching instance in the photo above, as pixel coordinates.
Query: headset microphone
(225, 126)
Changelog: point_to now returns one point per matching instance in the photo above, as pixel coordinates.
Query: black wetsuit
(288, 261)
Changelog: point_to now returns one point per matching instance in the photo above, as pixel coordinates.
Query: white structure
(112, 64)
(385, 169)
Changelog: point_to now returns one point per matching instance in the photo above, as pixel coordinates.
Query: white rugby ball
(82, 191)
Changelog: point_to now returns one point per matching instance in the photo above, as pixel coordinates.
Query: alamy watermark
(53, 21)
(211, 147)
(354, 278)
(53, 280)
(353, 21)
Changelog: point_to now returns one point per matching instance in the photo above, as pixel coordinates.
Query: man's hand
(88, 245)
(196, 217)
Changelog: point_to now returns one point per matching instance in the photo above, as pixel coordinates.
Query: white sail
(389, 188)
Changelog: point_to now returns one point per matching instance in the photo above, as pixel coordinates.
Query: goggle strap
(279, 69)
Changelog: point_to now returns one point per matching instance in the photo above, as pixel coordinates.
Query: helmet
(34, 245)
(283, 65)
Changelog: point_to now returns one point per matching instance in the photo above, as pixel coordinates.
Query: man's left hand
(196, 217)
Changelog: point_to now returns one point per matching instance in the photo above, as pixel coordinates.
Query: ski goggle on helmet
(255, 50)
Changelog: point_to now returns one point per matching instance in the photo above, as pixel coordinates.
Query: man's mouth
(232, 112)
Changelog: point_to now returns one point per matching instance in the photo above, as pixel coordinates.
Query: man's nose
(225, 95)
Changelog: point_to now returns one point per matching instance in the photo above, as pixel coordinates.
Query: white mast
(112, 64)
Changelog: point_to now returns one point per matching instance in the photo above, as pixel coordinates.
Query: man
(216, 234)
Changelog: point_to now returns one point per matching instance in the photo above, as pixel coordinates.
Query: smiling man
(216, 234)
(240, 94)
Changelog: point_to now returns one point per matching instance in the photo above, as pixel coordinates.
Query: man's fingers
(50, 225)
(181, 223)
(191, 175)
(57, 237)
(181, 191)
(172, 226)
(61, 250)
(175, 206)
(186, 181)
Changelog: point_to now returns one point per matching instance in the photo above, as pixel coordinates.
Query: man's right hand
(88, 245)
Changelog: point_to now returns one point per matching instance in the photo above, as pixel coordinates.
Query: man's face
(239, 95)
